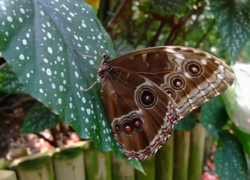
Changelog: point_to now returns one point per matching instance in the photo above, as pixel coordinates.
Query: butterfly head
(102, 71)
(106, 56)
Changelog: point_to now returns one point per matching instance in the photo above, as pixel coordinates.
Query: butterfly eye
(171, 93)
(105, 55)
(117, 128)
(127, 127)
(147, 97)
(194, 69)
(177, 83)
(137, 122)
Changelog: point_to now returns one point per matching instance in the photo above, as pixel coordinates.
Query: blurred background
(213, 142)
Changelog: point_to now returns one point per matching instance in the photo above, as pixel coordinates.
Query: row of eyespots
(129, 125)
(178, 83)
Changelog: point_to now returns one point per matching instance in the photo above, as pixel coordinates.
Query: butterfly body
(145, 92)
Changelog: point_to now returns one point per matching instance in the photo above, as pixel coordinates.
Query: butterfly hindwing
(140, 112)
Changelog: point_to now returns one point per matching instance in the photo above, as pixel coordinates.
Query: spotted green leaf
(233, 19)
(38, 39)
(9, 82)
(230, 160)
(246, 53)
(243, 137)
(39, 118)
(187, 123)
(213, 116)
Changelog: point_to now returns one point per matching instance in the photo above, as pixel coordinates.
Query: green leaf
(9, 82)
(237, 99)
(38, 39)
(246, 53)
(121, 47)
(40, 49)
(168, 7)
(230, 160)
(213, 116)
(233, 19)
(187, 123)
(39, 118)
(243, 137)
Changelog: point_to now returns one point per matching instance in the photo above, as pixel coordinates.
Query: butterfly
(147, 91)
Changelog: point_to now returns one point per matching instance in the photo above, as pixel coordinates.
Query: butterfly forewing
(190, 76)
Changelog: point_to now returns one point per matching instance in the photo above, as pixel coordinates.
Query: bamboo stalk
(121, 170)
(148, 166)
(97, 164)
(69, 164)
(181, 155)
(164, 161)
(34, 167)
(7, 175)
(198, 135)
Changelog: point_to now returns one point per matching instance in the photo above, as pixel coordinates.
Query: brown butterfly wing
(140, 112)
(190, 76)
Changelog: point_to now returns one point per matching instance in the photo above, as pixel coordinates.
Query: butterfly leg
(85, 90)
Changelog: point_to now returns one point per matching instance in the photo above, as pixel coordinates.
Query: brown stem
(55, 132)
(143, 34)
(184, 37)
(176, 29)
(206, 33)
(157, 34)
(115, 20)
(23, 100)
(51, 142)
(168, 40)
(195, 24)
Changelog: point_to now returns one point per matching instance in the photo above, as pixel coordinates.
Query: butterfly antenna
(77, 52)
(97, 81)
(83, 54)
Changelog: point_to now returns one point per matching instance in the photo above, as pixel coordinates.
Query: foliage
(38, 39)
(230, 157)
(43, 57)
